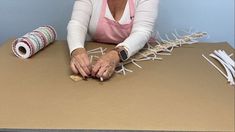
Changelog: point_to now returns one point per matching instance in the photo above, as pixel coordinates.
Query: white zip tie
(167, 37)
(94, 49)
(187, 32)
(128, 70)
(91, 58)
(133, 61)
(176, 38)
(142, 54)
(97, 57)
(101, 50)
(104, 50)
(162, 40)
(166, 54)
(123, 70)
(119, 71)
(215, 66)
(149, 46)
(159, 44)
(177, 34)
(94, 52)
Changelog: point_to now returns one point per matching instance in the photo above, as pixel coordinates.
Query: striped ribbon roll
(32, 42)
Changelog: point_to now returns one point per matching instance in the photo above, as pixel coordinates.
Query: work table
(182, 92)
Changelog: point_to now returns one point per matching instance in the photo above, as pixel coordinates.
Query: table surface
(182, 92)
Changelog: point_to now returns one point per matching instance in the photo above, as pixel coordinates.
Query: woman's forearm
(78, 25)
(143, 27)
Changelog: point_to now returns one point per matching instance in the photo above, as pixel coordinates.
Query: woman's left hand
(105, 66)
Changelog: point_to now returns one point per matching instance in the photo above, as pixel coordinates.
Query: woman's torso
(97, 7)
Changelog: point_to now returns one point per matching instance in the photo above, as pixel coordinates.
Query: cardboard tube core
(22, 50)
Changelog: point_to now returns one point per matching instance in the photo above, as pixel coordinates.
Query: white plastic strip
(215, 66)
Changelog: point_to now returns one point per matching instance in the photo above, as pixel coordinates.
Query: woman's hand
(105, 66)
(80, 62)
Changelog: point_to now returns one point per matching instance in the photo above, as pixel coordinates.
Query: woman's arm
(78, 25)
(144, 23)
(77, 30)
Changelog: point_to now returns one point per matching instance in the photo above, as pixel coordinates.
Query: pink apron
(110, 31)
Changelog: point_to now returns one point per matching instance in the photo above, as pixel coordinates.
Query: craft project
(29, 44)
(161, 47)
(228, 64)
(153, 50)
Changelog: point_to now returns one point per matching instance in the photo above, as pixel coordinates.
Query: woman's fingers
(104, 70)
(80, 69)
(95, 69)
(84, 75)
(73, 67)
(105, 66)
(101, 71)
(107, 74)
(83, 65)
(87, 64)
(80, 62)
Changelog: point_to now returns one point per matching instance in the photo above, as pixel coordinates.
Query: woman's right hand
(80, 62)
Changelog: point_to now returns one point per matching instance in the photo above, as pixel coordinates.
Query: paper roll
(31, 43)
(22, 50)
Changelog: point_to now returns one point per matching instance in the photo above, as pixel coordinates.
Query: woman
(127, 23)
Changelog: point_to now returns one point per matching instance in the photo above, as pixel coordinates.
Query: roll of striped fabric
(32, 42)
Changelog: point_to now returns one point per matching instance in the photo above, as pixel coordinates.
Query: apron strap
(103, 10)
(132, 8)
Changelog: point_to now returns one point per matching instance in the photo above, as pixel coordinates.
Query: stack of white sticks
(227, 62)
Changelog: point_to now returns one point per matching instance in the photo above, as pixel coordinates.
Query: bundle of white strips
(227, 62)
(161, 47)
(151, 51)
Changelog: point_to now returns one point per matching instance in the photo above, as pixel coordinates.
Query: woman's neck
(117, 8)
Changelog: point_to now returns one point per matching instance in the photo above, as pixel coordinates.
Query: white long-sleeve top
(85, 18)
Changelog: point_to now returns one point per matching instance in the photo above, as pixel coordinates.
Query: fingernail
(101, 79)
